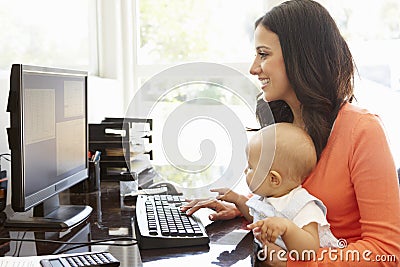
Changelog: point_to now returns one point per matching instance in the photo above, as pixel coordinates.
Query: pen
(97, 156)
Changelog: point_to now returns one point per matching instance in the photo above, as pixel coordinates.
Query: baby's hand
(226, 194)
(269, 229)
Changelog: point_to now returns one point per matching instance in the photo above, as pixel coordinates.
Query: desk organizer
(121, 141)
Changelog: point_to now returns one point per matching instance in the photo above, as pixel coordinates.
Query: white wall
(105, 99)
(4, 123)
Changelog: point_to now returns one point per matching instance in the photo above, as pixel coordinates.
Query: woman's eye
(247, 170)
(262, 55)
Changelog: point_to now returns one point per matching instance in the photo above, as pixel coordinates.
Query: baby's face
(252, 162)
(257, 170)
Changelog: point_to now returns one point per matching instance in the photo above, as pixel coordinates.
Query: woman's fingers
(195, 205)
(223, 210)
(222, 215)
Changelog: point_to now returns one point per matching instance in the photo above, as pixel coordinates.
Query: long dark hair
(318, 63)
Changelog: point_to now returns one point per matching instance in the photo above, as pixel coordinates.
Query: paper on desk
(33, 261)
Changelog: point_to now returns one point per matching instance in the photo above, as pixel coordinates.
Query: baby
(280, 157)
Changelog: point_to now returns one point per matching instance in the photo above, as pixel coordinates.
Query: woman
(306, 72)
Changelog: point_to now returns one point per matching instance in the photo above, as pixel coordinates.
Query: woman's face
(269, 66)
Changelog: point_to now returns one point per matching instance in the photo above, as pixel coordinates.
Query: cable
(102, 243)
(5, 154)
(78, 244)
(134, 241)
(18, 247)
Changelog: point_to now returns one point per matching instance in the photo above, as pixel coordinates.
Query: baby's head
(280, 157)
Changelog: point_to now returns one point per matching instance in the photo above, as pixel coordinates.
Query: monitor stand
(49, 214)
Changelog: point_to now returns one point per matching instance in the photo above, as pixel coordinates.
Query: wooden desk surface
(230, 245)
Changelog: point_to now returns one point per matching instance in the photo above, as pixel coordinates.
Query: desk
(229, 246)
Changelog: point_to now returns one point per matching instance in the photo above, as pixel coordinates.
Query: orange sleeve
(376, 188)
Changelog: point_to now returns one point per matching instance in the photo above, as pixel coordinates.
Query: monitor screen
(48, 139)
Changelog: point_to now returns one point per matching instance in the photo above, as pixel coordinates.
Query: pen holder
(92, 183)
(3, 192)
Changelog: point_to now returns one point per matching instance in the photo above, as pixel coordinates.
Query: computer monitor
(48, 139)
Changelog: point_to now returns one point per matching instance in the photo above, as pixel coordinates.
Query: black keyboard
(101, 259)
(161, 224)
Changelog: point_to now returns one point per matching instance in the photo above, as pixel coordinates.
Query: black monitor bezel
(20, 202)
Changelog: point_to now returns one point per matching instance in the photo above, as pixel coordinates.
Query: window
(212, 30)
(45, 33)
(182, 32)
(177, 32)
(373, 33)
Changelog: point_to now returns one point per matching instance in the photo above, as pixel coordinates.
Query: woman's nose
(255, 68)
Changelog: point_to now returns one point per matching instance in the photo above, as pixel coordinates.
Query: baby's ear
(275, 178)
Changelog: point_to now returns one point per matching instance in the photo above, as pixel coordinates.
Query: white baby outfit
(300, 207)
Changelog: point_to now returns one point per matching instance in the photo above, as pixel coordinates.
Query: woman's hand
(223, 210)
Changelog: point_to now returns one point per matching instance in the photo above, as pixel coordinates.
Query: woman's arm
(376, 190)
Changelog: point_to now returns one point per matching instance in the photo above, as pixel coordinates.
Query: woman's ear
(275, 178)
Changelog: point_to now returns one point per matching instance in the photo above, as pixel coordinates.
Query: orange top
(356, 179)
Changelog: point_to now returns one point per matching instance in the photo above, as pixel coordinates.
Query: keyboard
(160, 223)
(103, 259)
